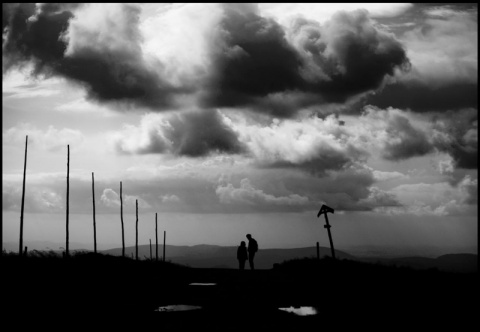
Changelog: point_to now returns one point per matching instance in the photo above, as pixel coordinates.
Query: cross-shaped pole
(323, 210)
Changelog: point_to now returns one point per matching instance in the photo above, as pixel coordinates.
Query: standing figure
(252, 249)
(242, 255)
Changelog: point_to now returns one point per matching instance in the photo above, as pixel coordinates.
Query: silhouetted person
(252, 249)
(242, 255)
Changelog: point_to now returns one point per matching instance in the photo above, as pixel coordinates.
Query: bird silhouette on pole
(324, 210)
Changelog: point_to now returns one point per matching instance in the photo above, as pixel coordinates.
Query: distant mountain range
(213, 256)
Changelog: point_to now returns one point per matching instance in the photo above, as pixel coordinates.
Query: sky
(228, 119)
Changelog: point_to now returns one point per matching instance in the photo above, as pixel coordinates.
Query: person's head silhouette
(249, 236)
(242, 244)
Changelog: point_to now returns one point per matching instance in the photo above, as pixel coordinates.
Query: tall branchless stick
(68, 197)
(136, 231)
(94, 224)
(150, 249)
(121, 219)
(20, 250)
(324, 210)
(156, 238)
(164, 236)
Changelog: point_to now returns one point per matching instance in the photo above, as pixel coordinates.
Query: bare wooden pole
(20, 250)
(164, 237)
(68, 197)
(318, 251)
(94, 223)
(325, 210)
(150, 249)
(156, 238)
(327, 226)
(121, 219)
(136, 231)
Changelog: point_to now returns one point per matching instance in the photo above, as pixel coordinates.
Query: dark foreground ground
(345, 293)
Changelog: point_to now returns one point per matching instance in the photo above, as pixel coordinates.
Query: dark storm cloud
(42, 35)
(347, 55)
(452, 132)
(252, 60)
(262, 66)
(192, 134)
(199, 133)
(404, 141)
(420, 97)
(460, 140)
(324, 159)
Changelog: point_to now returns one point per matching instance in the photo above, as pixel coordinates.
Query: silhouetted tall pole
(324, 210)
(68, 197)
(121, 219)
(318, 251)
(20, 250)
(136, 231)
(94, 224)
(164, 236)
(150, 249)
(327, 226)
(156, 238)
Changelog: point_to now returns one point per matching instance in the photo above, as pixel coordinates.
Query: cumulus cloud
(194, 134)
(261, 65)
(400, 135)
(456, 133)
(436, 199)
(379, 198)
(52, 139)
(169, 199)
(95, 45)
(443, 51)
(314, 144)
(38, 199)
(111, 199)
(247, 194)
(401, 139)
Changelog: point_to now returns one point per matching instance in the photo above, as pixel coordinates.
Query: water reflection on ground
(178, 307)
(301, 311)
(202, 284)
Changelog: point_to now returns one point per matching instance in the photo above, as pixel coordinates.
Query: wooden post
(121, 219)
(327, 226)
(20, 248)
(318, 251)
(136, 231)
(150, 249)
(156, 238)
(324, 210)
(68, 192)
(94, 224)
(164, 236)
(25, 252)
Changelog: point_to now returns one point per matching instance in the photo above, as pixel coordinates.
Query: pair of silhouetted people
(244, 253)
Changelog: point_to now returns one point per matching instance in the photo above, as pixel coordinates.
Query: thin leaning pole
(324, 210)
(94, 223)
(164, 237)
(20, 250)
(68, 190)
(121, 219)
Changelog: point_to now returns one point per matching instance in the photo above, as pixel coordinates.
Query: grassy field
(340, 290)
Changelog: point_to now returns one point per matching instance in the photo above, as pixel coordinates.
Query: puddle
(301, 311)
(202, 284)
(178, 307)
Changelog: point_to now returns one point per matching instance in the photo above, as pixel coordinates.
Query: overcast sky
(228, 119)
